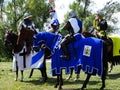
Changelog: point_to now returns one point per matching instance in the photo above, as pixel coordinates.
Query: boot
(66, 53)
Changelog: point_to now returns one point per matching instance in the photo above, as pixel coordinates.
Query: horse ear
(8, 31)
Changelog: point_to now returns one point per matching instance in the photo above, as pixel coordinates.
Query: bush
(5, 59)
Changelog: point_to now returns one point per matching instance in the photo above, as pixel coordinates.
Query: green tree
(81, 8)
(1, 9)
(39, 10)
(13, 12)
(16, 9)
(83, 11)
(109, 10)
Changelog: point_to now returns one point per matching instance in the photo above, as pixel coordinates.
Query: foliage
(84, 12)
(16, 9)
(109, 10)
(81, 8)
(39, 11)
(4, 53)
(13, 12)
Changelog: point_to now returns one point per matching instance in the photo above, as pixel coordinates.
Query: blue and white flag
(37, 59)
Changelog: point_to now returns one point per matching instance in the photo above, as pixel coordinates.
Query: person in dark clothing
(27, 23)
(100, 25)
(73, 26)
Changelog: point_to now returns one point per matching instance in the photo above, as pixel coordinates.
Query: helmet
(27, 15)
(100, 13)
(72, 13)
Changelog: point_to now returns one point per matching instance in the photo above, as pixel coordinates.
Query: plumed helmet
(100, 13)
(27, 15)
(72, 13)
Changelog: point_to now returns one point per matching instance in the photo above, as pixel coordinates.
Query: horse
(112, 41)
(21, 46)
(47, 55)
(11, 40)
(83, 49)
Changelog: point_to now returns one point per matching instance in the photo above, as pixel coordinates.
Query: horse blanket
(116, 44)
(18, 59)
(85, 52)
(37, 59)
(91, 55)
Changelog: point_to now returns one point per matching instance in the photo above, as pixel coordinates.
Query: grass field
(7, 80)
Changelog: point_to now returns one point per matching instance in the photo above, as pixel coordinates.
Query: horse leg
(31, 73)
(77, 77)
(21, 76)
(105, 70)
(16, 78)
(70, 75)
(103, 80)
(60, 82)
(78, 73)
(44, 75)
(43, 71)
(57, 81)
(105, 67)
(103, 84)
(86, 81)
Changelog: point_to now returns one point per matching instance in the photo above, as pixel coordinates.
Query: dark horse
(47, 55)
(112, 59)
(22, 42)
(11, 40)
(80, 53)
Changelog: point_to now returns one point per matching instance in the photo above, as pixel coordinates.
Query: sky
(62, 6)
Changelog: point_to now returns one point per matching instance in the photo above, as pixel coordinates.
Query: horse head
(47, 38)
(10, 38)
(10, 41)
